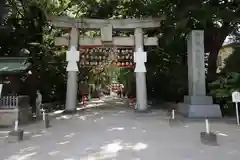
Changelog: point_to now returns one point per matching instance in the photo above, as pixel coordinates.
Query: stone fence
(13, 108)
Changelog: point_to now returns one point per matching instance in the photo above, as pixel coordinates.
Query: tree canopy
(24, 25)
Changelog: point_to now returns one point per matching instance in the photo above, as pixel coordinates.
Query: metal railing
(9, 102)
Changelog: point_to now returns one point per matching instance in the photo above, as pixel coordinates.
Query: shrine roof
(13, 64)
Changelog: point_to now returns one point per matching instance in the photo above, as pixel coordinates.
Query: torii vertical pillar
(72, 79)
(141, 87)
(197, 104)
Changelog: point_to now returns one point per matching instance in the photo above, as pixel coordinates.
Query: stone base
(198, 100)
(17, 135)
(173, 122)
(208, 138)
(142, 111)
(46, 122)
(8, 116)
(200, 111)
(69, 111)
(146, 110)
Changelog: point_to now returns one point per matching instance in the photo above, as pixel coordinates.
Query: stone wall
(22, 111)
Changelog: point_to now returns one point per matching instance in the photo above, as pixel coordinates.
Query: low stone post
(46, 122)
(16, 134)
(207, 137)
(38, 104)
(172, 120)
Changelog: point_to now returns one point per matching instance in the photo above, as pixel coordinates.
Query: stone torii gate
(196, 104)
(106, 27)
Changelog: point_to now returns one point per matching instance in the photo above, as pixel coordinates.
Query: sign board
(1, 86)
(72, 55)
(72, 66)
(140, 57)
(236, 100)
(236, 96)
(140, 68)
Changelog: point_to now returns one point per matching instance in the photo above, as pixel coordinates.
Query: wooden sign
(236, 96)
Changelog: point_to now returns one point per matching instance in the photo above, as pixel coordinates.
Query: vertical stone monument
(197, 104)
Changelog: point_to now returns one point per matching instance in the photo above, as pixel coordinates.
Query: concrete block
(15, 135)
(208, 138)
(200, 111)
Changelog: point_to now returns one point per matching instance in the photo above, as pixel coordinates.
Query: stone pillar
(196, 64)
(197, 104)
(141, 87)
(72, 85)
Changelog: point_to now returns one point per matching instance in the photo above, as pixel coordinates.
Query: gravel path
(117, 133)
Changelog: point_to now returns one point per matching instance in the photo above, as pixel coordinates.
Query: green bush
(222, 89)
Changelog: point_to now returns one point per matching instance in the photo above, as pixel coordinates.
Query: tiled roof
(13, 64)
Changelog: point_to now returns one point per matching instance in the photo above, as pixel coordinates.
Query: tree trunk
(3, 11)
(214, 39)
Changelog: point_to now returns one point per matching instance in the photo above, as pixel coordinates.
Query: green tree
(218, 18)
(27, 27)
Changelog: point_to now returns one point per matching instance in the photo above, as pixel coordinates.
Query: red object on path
(132, 100)
(83, 99)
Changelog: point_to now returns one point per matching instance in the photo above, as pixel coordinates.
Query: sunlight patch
(107, 151)
(4, 132)
(22, 157)
(64, 117)
(98, 101)
(119, 102)
(53, 153)
(58, 112)
(116, 128)
(43, 131)
(110, 151)
(233, 152)
(139, 146)
(112, 148)
(64, 142)
(37, 135)
(70, 135)
(28, 149)
(222, 134)
(82, 118)
(98, 119)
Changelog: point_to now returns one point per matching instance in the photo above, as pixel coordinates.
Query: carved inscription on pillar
(196, 63)
(106, 33)
(198, 56)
